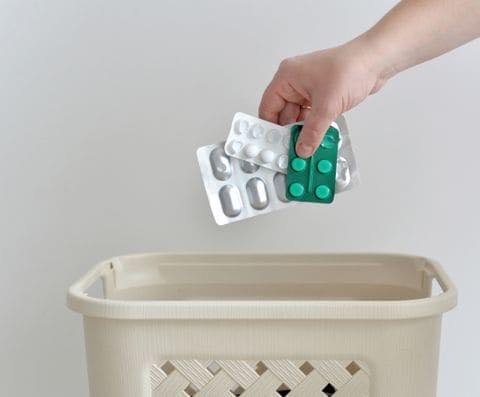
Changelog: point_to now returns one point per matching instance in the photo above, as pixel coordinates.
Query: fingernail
(304, 150)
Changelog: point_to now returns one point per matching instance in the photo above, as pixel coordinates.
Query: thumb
(315, 127)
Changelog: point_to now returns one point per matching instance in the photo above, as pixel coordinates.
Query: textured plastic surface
(313, 179)
(237, 189)
(376, 311)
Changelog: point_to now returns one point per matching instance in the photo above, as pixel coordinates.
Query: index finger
(271, 104)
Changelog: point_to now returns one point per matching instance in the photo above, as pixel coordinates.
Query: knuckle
(265, 102)
(287, 64)
(263, 110)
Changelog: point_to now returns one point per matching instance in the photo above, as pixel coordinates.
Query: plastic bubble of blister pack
(238, 189)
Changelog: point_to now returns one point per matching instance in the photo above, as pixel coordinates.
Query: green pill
(299, 164)
(324, 166)
(296, 189)
(322, 192)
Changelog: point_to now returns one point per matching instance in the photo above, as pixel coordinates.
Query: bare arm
(321, 85)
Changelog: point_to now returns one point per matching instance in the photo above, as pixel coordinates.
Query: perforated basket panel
(266, 378)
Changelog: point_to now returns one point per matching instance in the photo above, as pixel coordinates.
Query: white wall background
(102, 105)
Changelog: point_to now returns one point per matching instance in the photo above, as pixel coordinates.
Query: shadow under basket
(346, 325)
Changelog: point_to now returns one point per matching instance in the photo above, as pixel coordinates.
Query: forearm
(418, 30)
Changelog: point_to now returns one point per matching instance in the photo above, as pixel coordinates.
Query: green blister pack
(313, 179)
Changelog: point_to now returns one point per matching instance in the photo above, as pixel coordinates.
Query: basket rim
(79, 301)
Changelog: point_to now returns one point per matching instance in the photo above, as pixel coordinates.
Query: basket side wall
(402, 355)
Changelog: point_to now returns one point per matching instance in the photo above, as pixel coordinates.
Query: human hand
(318, 87)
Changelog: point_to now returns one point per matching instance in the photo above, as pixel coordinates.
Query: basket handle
(77, 293)
(449, 296)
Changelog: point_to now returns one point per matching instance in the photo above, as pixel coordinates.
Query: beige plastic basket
(264, 325)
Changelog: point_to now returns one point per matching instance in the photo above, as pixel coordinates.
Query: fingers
(276, 97)
(271, 105)
(304, 112)
(289, 114)
(316, 124)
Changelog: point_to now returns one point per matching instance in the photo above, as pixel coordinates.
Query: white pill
(286, 141)
(282, 161)
(274, 136)
(251, 150)
(267, 156)
(241, 126)
(234, 147)
(257, 131)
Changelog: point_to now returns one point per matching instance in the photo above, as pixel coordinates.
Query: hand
(317, 88)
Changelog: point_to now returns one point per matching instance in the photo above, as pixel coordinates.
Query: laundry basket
(264, 325)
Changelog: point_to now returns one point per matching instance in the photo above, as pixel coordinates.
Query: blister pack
(313, 179)
(347, 175)
(267, 144)
(238, 189)
(258, 141)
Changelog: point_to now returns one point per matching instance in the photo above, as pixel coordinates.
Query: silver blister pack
(238, 189)
(347, 176)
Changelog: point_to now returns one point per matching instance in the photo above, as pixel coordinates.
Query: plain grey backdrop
(102, 106)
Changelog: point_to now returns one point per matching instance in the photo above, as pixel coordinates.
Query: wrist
(373, 56)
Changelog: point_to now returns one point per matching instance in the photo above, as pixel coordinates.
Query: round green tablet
(298, 164)
(322, 192)
(328, 142)
(324, 166)
(296, 189)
